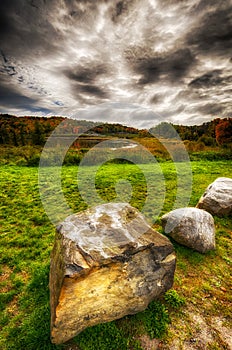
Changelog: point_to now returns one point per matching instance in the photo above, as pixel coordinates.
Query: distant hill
(217, 131)
(21, 131)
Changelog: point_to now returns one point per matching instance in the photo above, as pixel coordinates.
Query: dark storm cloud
(211, 108)
(25, 25)
(7, 26)
(156, 98)
(172, 66)
(205, 99)
(82, 74)
(120, 9)
(84, 80)
(212, 78)
(213, 32)
(6, 67)
(5, 60)
(90, 90)
(205, 5)
(13, 98)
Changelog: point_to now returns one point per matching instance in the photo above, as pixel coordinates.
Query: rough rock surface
(106, 263)
(217, 198)
(191, 227)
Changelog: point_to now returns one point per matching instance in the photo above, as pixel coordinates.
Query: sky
(137, 62)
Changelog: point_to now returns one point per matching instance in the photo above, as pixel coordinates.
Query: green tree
(38, 136)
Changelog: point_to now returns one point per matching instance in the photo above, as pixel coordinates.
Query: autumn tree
(224, 131)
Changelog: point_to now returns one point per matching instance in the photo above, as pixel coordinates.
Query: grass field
(202, 282)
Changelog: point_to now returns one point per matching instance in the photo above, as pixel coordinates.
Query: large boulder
(191, 227)
(107, 262)
(217, 198)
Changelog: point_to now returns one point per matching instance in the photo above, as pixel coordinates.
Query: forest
(21, 131)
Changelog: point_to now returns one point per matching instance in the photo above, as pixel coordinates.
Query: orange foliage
(224, 131)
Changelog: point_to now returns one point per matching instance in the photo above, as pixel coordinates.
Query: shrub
(211, 155)
(207, 140)
(173, 299)
(33, 160)
(72, 158)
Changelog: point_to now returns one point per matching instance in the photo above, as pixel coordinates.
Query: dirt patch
(12, 307)
(5, 283)
(71, 346)
(150, 344)
(201, 333)
(223, 329)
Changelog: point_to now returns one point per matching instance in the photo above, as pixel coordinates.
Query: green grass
(173, 299)
(27, 236)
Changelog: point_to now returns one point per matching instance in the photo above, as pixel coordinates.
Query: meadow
(202, 282)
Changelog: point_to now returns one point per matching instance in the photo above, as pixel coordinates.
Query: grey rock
(191, 227)
(107, 262)
(217, 198)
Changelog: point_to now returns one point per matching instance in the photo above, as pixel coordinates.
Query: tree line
(212, 133)
(22, 131)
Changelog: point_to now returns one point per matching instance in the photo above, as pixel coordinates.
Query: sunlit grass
(27, 236)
